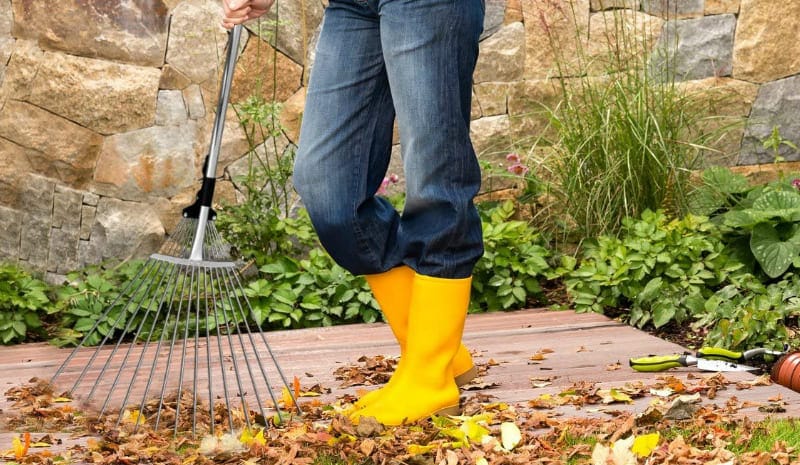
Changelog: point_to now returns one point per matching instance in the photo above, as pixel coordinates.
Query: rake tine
(105, 339)
(227, 303)
(127, 353)
(230, 274)
(236, 304)
(221, 354)
(157, 350)
(208, 356)
(272, 356)
(196, 349)
(171, 349)
(183, 354)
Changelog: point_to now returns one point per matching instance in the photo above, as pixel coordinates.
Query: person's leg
(430, 48)
(345, 140)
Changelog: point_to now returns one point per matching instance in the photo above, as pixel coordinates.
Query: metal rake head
(176, 347)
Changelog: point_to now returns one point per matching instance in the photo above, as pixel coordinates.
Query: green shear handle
(659, 362)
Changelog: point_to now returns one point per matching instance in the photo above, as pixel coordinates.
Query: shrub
(23, 304)
(513, 264)
(661, 271)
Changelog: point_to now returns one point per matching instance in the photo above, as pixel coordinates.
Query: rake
(181, 326)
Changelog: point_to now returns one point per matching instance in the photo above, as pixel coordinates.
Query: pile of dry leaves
(488, 432)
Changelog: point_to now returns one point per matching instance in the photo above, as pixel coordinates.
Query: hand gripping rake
(182, 326)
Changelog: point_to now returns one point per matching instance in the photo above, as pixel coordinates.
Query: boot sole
(452, 410)
(467, 376)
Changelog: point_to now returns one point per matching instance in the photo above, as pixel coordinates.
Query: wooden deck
(579, 348)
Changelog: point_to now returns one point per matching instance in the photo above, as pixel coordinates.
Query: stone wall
(106, 106)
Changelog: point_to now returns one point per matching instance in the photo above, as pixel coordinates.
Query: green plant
(764, 227)
(513, 264)
(626, 138)
(309, 292)
(774, 143)
(746, 313)
(660, 271)
(23, 303)
(719, 190)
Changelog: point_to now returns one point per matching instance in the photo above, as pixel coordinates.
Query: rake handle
(206, 194)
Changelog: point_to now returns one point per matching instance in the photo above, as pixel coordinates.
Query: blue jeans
(376, 59)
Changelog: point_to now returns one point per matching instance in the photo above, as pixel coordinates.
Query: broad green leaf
(774, 255)
(780, 204)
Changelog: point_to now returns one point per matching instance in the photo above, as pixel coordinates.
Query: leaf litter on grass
(488, 432)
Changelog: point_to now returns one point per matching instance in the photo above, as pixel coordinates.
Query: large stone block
(10, 233)
(123, 229)
(721, 7)
(23, 65)
(620, 39)
(292, 115)
(600, 5)
(55, 147)
(103, 96)
(674, 9)
(490, 134)
(696, 48)
(155, 161)
(775, 107)
(14, 169)
(492, 98)
(196, 47)
(494, 16)
(63, 253)
(6, 39)
(67, 209)
(131, 31)
(555, 33)
(266, 73)
(34, 240)
(529, 107)
(502, 56)
(296, 22)
(723, 105)
(170, 108)
(767, 46)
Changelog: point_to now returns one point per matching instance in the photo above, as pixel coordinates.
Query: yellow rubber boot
(423, 383)
(392, 290)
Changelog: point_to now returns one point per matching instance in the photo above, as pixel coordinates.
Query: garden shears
(705, 359)
(665, 362)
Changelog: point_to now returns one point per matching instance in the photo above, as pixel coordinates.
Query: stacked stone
(106, 106)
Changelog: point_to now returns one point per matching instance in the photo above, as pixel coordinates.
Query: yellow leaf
(510, 435)
(249, 439)
(286, 397)
(644, 445)
(474, 431)
(59, 400)
(481, 461)
(417, 449)
(21, 446)
(133, 417)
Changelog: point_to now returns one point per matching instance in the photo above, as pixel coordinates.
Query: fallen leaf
(613, 366)
(644, 445)
(510, 435)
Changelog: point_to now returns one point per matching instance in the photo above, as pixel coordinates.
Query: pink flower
(512, 157)
(391, 179)
(518, 169)
(796, 183)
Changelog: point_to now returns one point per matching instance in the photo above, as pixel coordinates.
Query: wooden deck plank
(580, 348)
